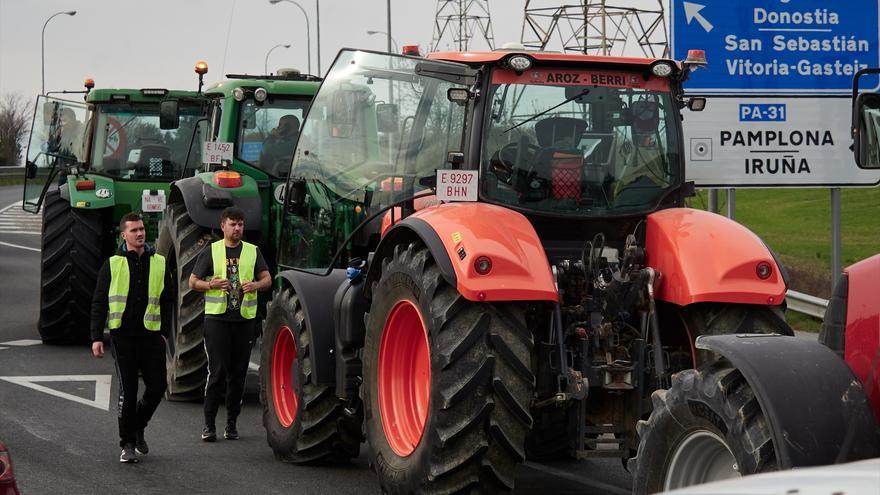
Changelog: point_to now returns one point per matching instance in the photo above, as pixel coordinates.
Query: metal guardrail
(806, 304)
(11, 172)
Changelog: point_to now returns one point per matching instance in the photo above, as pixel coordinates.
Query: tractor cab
(117, 134)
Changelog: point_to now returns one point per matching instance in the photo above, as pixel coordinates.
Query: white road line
(22, 342)
(102, 387)
(2, 210)
(3, 348)
(25, 232)
(583, 480)
(7, 244)
(253, 366)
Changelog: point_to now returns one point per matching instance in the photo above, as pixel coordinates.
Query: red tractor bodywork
(862, 341)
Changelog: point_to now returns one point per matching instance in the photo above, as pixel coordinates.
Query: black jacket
(136, 304)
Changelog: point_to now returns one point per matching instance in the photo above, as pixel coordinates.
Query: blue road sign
(793, 47)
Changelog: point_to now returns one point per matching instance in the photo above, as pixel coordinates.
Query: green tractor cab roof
(142, 95)
(289, 84)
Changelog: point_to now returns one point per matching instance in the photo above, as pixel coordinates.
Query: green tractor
(254, 123)
(88, 164)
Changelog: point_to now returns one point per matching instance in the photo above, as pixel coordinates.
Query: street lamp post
(43, 49)
(390, 40)
(266, 64)
(308, 32)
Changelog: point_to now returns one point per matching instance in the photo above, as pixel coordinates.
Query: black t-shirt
(204, 267)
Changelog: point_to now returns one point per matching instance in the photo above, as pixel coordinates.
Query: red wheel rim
(283, 392)
(404, 378)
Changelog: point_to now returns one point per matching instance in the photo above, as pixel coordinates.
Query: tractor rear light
(226, 178)
(412, 50)
(6, 471)
(764, 270)
(483, 265)
(85, 185)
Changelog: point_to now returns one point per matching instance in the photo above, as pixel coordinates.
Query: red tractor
(486, 258)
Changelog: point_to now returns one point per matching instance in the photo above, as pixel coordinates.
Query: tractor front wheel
(75, 243)
(304, 421)
(181, 241)
(447, 383)
(707, 427)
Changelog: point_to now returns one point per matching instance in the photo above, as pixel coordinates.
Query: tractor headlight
(519, 63)
(260, 95)
(238, 94)
(662, 68)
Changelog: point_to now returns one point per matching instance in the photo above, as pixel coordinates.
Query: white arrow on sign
(102, 387)
(692, 11)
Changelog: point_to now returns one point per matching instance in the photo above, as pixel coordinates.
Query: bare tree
(15, 117)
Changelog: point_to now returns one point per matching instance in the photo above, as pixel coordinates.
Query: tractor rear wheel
(304, 421)
(75, 243)
(181, 241)
(707, 427)
(447, 382)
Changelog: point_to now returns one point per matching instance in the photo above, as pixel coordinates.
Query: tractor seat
(559, 163)
(155, 161)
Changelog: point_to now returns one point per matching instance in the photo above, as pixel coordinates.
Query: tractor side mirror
(295, 197)
(866, 130)
(342, 113)
(696, 104)
(387, 117)
(169, 115)
(30, 170)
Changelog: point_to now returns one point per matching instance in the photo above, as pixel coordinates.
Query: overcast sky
(155, 43)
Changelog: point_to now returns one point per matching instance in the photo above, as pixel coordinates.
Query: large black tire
(304, 421)
(75, 243)
(708, 422)
(181, 241)
(481, 383)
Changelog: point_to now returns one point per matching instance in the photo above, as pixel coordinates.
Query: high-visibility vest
(215, 299)
(118, 292)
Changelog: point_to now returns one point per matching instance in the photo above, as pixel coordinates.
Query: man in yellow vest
(133, 299)
(229, 273)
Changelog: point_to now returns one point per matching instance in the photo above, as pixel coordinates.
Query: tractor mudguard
(457, 234)
(816, 408)
(87, 199)
(704, 257)
(191, 191)
(851, 326)
(314, 292)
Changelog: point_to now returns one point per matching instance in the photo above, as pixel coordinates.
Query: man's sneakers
(128, 454)
(209, 434)
(231, 432)
(140, 445)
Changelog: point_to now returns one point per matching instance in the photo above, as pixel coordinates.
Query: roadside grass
(9, 181)
(796, 223)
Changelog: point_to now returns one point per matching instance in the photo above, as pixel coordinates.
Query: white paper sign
(216, 152)
(153, 201)
(457, 185)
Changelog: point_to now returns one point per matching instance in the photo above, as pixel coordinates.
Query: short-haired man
(132, 298)
(230, 273)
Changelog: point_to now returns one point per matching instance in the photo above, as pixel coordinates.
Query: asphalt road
(63, 438)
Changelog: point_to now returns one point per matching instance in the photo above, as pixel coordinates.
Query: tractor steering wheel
(504, 161)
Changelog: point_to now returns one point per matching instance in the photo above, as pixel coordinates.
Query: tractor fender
(704, 257)
(314, 292)
(190, 192)
(457, 234)
(816, 408)
(851, 326)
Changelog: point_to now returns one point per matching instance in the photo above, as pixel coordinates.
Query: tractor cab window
(128, 143)
(57, 141)
(574, 149)
(374, 129)
(267, 132)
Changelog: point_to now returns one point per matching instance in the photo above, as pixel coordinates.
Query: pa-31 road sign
(776, 46)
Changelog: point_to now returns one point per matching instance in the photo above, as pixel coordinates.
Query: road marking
(22, 342)
(576, 478)
(3, 348)
(19, 221)
(3, 210)
(102, 387)
(7, 244)
(253, 366)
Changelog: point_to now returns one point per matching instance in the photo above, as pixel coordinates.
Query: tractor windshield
(267, 132)
(128, 143)
(554, 144)
(374, 129)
